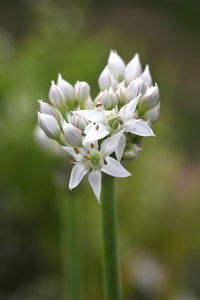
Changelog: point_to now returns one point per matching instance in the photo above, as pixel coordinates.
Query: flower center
(115, 123)
(95, 159)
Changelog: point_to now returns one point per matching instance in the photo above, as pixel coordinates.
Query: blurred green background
(158, 207)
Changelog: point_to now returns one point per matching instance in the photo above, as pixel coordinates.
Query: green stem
(111, 267)
(71, 246)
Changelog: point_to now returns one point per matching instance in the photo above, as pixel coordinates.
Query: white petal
(114, 168)
(76, 153)
(127, 111)
(90, 144)
(120, 148)
(146, 76)
(95, 182)
(139, 127)
(116, 65)
(110, 144)
(77, 174)
(133, 69)
(95, 131)
(91, 115)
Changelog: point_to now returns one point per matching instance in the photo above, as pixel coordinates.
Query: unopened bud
(133, 69)
(106, 79)
(89, 103)
(72, 134)
(146, 76)
(116, 65)
(66, 89)
(121, 93)
(49, 125)
(82, 91)
(136, 87)
(46, 108)
(153, 114)
(150, 98)
(55, 96)
(132, 151)
(79, 121)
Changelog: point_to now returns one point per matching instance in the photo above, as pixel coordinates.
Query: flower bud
(121, 93)
(82, 91)
(49, 110)
(104, 99)
(106, 79)
(132, 151)
(49, 125)
(66, 89)
(136, 87)
(150, 98)
(89, 103)
(116, 65)
(72, 134)
(133, 69)
(55, 96)
(146, 76)
(153, 114)
(79, 121)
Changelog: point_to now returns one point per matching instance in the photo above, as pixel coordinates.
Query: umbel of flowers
(103, 132)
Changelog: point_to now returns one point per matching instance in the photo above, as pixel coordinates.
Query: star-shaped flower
(105, 122)
(90, 159)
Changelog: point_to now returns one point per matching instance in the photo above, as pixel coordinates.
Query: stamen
(92, 145)
(105, 162)
(76, 150)
(98, 105)
(83, 134)
(97, 127)
(86, 157)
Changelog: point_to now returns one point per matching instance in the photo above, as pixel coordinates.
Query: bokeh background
(158, 207)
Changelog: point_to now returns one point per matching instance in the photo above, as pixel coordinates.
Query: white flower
(106, 79)
(116, 65)
(105, 122)
(49, 125)
(91, 159)
(82, 91)
(133, 69)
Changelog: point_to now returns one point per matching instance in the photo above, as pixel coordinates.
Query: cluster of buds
(100, 133)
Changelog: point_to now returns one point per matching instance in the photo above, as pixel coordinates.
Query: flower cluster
(100, 133)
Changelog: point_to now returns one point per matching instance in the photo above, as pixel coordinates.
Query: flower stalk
(112, 280)
(70, 209)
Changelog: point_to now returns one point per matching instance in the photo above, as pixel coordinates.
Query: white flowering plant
(103, 132)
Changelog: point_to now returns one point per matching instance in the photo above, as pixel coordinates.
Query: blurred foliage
(158, 206)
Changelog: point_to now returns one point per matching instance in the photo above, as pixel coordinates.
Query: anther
(76, 150)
